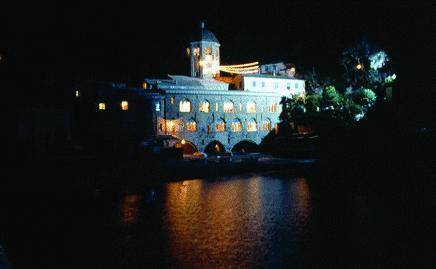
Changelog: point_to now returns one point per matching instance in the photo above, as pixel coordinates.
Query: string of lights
(241, 72)
(248, 68)
(240, 68)
(240, 65)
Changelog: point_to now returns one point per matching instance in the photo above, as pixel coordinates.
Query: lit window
(205, 107)
(251, 125)
(220, 125)
(266, 125)
(101, 106)
(228, 107)
(251, 107)
(196, 51)
(272, 107)
(236, 126)
(77, 93)
(254, 83)
(208, 51)
(157, 106)
(216, 107)
(172, 126)
(144, 85)
(240, 106)
(124, 105)
(185, 106)
(172, 100)
(191, 126)
(188, 52)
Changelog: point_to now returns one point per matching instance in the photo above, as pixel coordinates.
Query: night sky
(48, 47)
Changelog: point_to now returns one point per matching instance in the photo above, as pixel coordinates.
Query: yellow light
(102, 106)
(248, 68)
(240, 65)
(358, 66)
(183, 141)
(77, 93)
(292, 69)
(144, 85)
(124, 105)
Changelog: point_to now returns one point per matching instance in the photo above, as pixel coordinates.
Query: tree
(314, 83)
(365, 98)
(293, 110)
(366, 67)
(331, 99)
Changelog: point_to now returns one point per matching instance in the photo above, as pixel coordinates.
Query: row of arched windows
(228, 107)
(235, 126)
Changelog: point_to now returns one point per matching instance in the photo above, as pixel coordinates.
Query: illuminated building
(215, 107)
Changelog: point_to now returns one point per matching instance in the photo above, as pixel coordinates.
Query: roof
(185, 82)
(270, 76)
(205, 35)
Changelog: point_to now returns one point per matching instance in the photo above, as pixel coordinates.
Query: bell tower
(204, 55)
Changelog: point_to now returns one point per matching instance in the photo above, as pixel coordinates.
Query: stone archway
(246, 146)
(187, 146)
(214, 147)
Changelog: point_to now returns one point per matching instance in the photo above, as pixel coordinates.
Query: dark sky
(60, 42)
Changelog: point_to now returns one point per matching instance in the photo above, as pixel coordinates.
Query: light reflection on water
(254, 221)
(130, 208)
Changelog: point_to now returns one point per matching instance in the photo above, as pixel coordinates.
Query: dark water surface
(262, 220)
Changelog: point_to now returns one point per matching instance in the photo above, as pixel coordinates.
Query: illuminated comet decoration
(248, 68)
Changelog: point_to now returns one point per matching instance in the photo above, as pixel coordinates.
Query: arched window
(101, 106)
(191, 126)
(251, 125)
(185, 106)
(272, 107)
(205, 106)
(236, 125)
(251, 107)
(220, 125)
(228, 107)
(266, 125)
(124, 105)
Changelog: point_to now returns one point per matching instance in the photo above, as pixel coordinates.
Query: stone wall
(202, 137)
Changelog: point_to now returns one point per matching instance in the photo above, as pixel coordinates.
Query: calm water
(269, 220)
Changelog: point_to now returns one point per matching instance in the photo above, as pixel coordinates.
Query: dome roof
(206, 35)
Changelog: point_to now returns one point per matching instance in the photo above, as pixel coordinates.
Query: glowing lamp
(102, 106)
(77, 93)
(144, 85)
(183, 141)
(358, 66)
